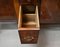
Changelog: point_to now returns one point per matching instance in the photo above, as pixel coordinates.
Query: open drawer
(28, 21)
(28, 24)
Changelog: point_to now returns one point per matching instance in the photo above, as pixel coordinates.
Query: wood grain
(7, 11)
(29, 33)
(50, 11)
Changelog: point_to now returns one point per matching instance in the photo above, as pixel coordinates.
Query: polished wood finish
(29, 36)
(7, 11)
(50, 11)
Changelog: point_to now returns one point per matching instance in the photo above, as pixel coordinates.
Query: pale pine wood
(30, 22)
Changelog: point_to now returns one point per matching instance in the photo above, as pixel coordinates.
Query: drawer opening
(28, 20)
(28, 9)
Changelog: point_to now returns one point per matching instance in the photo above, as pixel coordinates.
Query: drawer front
(28, 36)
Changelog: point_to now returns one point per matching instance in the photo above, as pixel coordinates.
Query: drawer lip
(28, 28)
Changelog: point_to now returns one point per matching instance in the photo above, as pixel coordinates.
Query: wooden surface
(28, 19)
(28, 23)
(7, 11)
(50, 11)
(16, 6)
(29, 36)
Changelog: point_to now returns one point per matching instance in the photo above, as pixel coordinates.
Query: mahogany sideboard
(29, 14)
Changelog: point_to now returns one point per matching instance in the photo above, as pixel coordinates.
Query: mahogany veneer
(29, 36)
(50, 11)
(7, 11)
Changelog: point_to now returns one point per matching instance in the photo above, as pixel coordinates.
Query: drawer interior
(28, 9)
(28, 17)
(28, 21)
